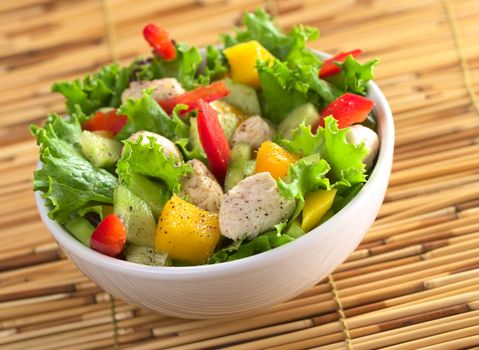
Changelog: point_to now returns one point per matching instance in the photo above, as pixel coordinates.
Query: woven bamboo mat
(414, 281)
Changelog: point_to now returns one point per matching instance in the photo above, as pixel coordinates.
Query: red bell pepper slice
(347, 109)
(160, 41)
(109, 237)
(106, 121)
(213, 140)
(208, 93)
(330, 68)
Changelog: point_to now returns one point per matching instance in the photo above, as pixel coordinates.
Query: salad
(189, 157)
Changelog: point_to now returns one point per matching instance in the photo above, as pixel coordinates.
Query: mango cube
(186, 232)
(242, 60)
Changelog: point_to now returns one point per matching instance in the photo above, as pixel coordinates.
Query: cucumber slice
(102, 152)
(81, 229)
(153, 193)
(295, 230)
(240, 165)
(370, 122)
(146, 256)
(136, 215)
(306, 113)
(194, 136)
(243, 96)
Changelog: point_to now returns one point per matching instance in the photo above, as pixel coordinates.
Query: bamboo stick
(380, 232)
(446, 199)
(439, 338)
(359, 321)
(407, 334)
(441, 281)
(427, 187)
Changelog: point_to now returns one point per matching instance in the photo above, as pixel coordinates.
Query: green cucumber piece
(136, 215)
(100, 151)
(295, 230)
(370, 122)
(153, 193)
(194, 136)
(239, 165)
(146, 256)
(243, 97)
(81, 229)
(306, 113)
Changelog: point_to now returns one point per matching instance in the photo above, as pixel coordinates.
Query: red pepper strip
(160, 41)
(213, 140)
(347, 109)
(106, 121)
(330, 68)
(208, 93)
(109, 237)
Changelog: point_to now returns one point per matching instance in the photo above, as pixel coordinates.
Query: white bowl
(249, 284)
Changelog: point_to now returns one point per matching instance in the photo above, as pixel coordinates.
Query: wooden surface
(413, 283)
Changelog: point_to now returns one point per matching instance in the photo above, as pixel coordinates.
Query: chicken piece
(201, 188)
(165, 88)
(253, 206)
(357, 134)
(253, 131)
(169, 148)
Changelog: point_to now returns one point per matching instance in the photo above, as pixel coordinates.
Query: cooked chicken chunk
(357, 134)
(201, 188)
(253, 206)
(162, 88)
(253, 131)
(169, 148)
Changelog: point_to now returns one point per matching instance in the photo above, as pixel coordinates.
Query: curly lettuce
(284, 88)
(101, 89)
(305, 176)
(184, 67)
(344, 158)
(215, 65)
(68, 181)
(353, 76)
(148, 159)
(241, 248)
(146, 114)
(259, 26)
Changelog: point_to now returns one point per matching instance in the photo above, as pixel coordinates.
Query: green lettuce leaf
(284, 88)
(354, 76)
(101, 89)
(241, 248)
(215, 65)
(343, 198)
(146, 114)
(299, 53)
(260, 27)
(345, 159)
(305, 176)
(149, 160)
(184, 67)
(68, 181)
(303, 141)
(189, 152)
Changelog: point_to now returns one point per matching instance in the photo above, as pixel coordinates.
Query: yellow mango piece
(186, 232)
(274, 159)
(316, 204)
(242, 60)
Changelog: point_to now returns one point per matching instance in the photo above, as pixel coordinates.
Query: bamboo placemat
(414, 281)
